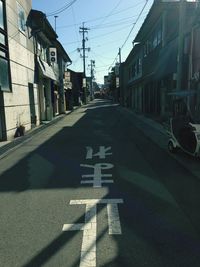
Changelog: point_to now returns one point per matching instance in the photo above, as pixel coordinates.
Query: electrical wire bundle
(62, 9)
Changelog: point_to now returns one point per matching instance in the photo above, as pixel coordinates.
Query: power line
(113, 24)
(74, 18)
(62, 9)
(103, 67)
(130, 32)
(121, 11)
(75, 50)
(110, 13)
(134, 24)
(98, 36)
(106, 25)
(113, 41)
(100, 56)
(74, 62)
(99, 18)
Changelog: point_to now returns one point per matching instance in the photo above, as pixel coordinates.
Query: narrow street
(94, 190)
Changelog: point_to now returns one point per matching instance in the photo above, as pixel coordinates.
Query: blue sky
(109, 21)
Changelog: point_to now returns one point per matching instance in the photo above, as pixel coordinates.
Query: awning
(47, 70)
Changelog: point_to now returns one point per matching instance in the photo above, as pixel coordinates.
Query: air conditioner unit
(53, 54)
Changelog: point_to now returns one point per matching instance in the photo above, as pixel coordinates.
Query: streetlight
(55, 17)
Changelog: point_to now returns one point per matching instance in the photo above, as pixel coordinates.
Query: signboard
(117, 81)
(84, 83)
(117, 69)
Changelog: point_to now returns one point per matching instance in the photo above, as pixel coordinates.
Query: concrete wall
(17, 104)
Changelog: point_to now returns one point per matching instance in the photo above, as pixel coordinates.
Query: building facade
(32, 64)
(74, 95)
(156, 64)
(60, 67)
(19, 94)
(43, 34)
(50, 62)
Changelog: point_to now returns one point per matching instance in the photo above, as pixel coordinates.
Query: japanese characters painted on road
(103, 152)
(97, 175)
(89, 228)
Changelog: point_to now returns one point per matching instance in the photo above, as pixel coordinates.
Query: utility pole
(182, 9)
(91, 65)
(84, 30)
(120, 82)
(120, 57)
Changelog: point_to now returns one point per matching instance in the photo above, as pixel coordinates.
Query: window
(42, 51)
(147, 47)
(4, 77)
(2, 39)
(1, 15)
(4, 58)
(44, 54)
(21, 18)
(136, 68)
(153, 41)
(159, 35)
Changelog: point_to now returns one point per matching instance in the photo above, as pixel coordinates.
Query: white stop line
(89, 228)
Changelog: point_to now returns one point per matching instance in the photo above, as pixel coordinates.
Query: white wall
(17, 106)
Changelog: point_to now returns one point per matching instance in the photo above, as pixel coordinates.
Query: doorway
(3, 134)
(32, 105)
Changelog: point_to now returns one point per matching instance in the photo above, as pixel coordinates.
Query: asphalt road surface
(93, 190)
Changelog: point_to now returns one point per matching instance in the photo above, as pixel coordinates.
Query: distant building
(73, 86)
(50, 61)
(62, 62)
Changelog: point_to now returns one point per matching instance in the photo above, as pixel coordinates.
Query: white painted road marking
(103, 152)
(113, 219)
(73, 227)
(97, 176)
(88, 248)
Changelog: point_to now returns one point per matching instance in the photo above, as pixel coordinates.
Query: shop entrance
(32, 105)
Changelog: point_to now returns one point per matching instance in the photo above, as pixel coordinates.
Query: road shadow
(161, 203)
